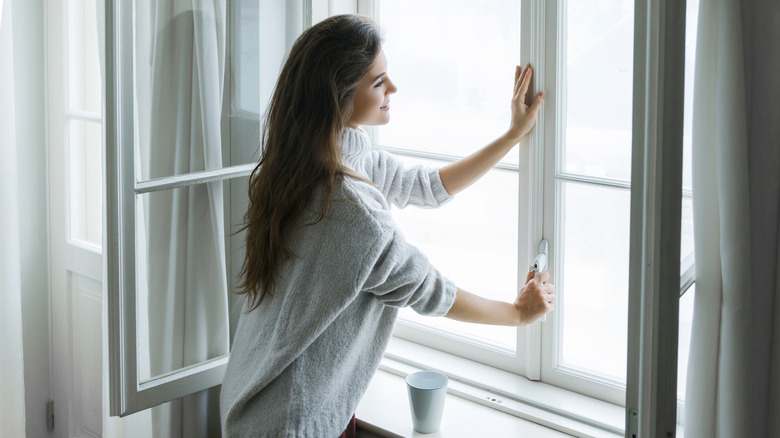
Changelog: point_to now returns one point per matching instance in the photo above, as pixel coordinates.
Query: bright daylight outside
(453, 97)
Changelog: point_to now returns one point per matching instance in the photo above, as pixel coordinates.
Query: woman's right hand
(523, 116)
(535, 298)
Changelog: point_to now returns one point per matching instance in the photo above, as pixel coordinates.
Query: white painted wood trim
(531, 173)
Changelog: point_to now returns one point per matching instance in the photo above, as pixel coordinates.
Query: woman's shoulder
(364, 201)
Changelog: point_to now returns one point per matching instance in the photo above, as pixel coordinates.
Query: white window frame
(524, 360)
(543, 24)
(541, 46)
(71, 114)
(127, 393)
(550, 20)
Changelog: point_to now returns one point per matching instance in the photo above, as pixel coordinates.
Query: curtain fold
(733, 368)
(186, 264)
(12, 404)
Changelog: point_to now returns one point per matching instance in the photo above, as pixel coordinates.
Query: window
(185, 91)
(83, 126)
(460, 102)
(569, 183)
(453, 61)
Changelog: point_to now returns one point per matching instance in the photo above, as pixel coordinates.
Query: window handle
(540, 263)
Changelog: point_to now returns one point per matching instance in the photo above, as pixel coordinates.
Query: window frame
(129, 396)
(551, 21)
(71, 114)
(544, 25)
(525, 359)
(127, 393)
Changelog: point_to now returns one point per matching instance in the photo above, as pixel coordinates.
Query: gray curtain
(187, 294)
(733, 387)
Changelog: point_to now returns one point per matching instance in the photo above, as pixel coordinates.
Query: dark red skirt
(351, 430)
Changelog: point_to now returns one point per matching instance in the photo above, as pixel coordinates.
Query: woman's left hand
(523, 116)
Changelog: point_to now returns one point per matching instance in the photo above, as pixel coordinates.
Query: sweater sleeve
(416, 185)
(400, 275)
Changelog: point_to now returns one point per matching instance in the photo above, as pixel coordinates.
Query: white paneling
(86, 340)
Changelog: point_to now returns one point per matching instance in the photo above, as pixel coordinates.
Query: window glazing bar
(608, 182)
(189, 179)
(85, 115)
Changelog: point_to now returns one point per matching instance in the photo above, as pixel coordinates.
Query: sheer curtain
(185, 230)
(733, 387)
(12, 414)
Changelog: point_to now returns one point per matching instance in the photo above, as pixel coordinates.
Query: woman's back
(303, 358)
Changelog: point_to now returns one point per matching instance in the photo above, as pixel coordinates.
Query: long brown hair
(311, 105)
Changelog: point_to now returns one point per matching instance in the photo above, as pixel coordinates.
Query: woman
(326, 269)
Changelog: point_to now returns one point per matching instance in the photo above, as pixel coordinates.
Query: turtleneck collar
(355, 146)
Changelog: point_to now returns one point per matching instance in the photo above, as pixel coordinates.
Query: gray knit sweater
(301, 361)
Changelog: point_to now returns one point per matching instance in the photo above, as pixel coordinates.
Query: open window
(569, 182)
(185, 87)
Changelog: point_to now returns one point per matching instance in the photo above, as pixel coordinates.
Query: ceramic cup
(427, 391)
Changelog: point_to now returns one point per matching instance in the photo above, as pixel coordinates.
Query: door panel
(86, 343)
(75, 217)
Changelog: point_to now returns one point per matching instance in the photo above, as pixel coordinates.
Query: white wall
(12, 366)
(28, 42)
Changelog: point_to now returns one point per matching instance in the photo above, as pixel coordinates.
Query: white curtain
(733, 387)
(12, 414)
(184, 228)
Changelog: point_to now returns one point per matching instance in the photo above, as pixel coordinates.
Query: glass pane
(246, 55)
(179, 78)
(593, 291)
(599, 73)
(83, 60)
(86, 181)
(472, 240)
(181, 280)
(684, 339)
(691, 24)
(686, 247)
(454, 89)
(686, 236)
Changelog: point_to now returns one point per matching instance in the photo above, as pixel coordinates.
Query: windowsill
(384, 412)
(475, 410)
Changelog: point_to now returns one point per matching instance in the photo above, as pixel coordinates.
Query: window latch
(540, 263)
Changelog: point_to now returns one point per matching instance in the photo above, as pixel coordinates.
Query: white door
(75, 123)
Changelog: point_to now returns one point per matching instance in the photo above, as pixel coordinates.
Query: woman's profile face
(372, 96)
